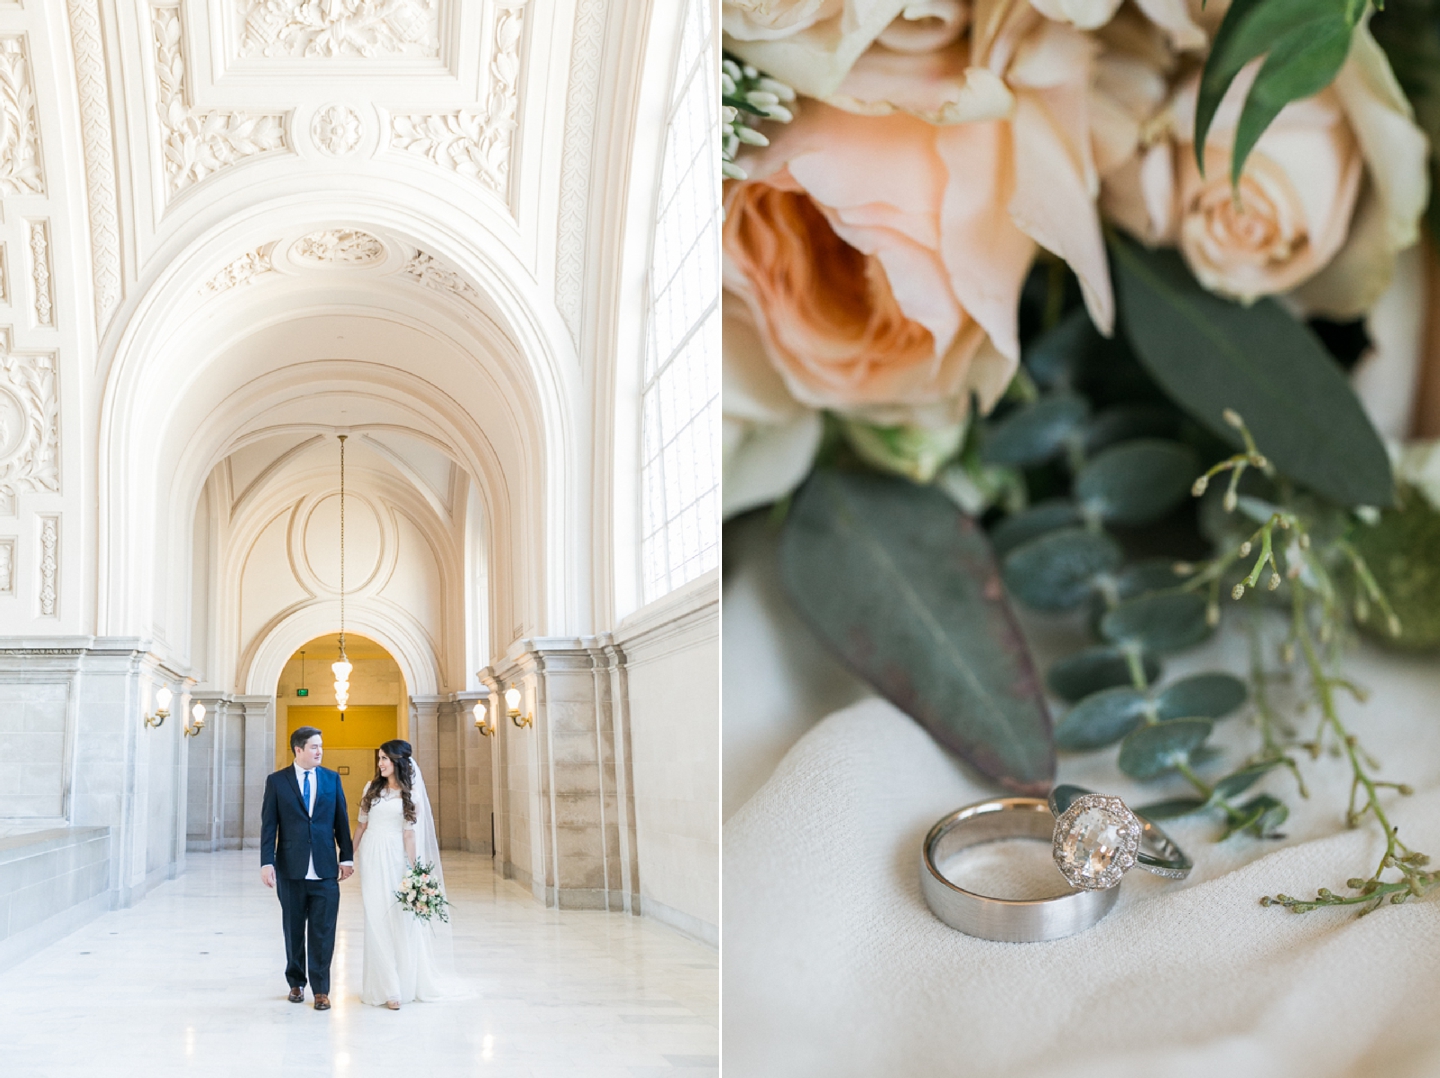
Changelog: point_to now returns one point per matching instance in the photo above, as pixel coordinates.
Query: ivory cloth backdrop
(835, 966)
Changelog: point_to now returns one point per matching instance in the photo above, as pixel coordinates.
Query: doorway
(378, 710)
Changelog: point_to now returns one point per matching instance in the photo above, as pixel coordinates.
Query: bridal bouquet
(420, 893)
(1055, 302)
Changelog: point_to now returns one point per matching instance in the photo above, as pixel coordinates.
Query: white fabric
(404, 959)
(834, 966)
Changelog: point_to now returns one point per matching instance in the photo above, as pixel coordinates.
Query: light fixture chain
(342, 544)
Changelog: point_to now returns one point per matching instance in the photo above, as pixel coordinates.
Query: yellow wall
(349, 745)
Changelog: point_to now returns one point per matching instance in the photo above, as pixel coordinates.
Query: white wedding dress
(405, 958)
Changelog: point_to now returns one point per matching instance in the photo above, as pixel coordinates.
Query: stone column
(205, 811)
(425, 742)
(472, 749)
(258, 747)
(500, 817)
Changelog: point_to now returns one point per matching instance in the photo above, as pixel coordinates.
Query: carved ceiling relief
(93, 86)
(324, 28)
(339, 246)
(29, 422)
(474, 142)
(337, 129)
(197, 143)
(20, 169)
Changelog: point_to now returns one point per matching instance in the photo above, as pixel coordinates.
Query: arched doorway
(378, 710)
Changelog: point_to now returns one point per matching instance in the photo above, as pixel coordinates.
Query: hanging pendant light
(341, 668)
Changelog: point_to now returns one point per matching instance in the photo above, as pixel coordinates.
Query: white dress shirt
(300, 773)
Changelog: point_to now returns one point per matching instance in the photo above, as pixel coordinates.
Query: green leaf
(1101, 719)
(905, 589)
(1172, 809)
(1039, 519)
(1126, 421)
(1204, 696)
(1137, 482)
(1161, 623)
(1150, 751)
(1151, 574)
(1035, 433)
(1057, 571)
(1260, 816)
(1237, 782)
(1301, 38)
(1077, 676)
(1211, 355)
(1052, 358)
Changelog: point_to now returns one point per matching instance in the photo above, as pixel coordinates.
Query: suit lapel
(295, 787)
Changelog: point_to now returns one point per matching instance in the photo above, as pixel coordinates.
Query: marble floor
(191, 981)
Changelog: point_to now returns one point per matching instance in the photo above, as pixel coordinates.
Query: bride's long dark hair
(399, 753)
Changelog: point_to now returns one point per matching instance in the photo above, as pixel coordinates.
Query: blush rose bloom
(879, 264)
(1332, 191)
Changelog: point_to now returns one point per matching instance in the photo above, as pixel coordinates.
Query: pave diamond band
(1006, 920)
(1097, 839)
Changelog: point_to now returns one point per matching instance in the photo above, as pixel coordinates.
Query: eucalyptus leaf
(1151, 574)
(1211, 355)
(1260, 816)
(1036, 432)
(1150, 751)
(1172, 809)
(905, 589)
(1237, 782)
(1161, 622)
(1033, 522)
(1126, 421)
(1101, 719)
(1137, 482)
(1052, 357)
(1203, 696)
(1304, 43)
(1077, 676)
(1057, 571)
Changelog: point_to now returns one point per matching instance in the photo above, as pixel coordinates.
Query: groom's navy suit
(293, 839)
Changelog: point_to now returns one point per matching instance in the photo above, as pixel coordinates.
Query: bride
(405, 959)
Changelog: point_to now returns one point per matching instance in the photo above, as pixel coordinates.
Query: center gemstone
(1095, 842)
(1092, 842)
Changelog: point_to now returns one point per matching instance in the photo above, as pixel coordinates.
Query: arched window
(680, 402)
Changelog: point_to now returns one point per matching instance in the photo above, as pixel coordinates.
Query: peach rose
(1010, 64)
(877, 261)
(1332, 191)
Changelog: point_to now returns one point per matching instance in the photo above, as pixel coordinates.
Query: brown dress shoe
(297, 995)
(322, 1001)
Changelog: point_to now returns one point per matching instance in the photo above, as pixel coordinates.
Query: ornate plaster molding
(585, 51)
(330, 28)
(21, 172)
(4, 278)
(38, 237)
(474, 142)
(427, 270)
(240, 271)
(49, 565)
(339, 247)
(7, 566)
(90, 80)
(29, 421)
(197, 143)
(337, 129)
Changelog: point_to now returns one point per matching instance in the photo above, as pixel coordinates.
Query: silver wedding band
(1157, 853)
(1007, 920)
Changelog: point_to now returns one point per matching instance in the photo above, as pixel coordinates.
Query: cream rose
(769, 438)
(807, 44)
(876, 289)
(1332, 191)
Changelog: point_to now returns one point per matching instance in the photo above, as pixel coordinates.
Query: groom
(302, 819)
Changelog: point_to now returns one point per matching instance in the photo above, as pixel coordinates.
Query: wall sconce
(485, 728)
(162, 707)
(512, 708)
(197, 713)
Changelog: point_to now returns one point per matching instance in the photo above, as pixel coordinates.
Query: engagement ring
(1004, 919)
(1097, 839)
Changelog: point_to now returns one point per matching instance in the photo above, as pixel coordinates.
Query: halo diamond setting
(1096, 841)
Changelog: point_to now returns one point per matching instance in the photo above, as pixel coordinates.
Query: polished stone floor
(191, 981)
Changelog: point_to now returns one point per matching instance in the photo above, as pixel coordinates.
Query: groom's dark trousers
(289, 839)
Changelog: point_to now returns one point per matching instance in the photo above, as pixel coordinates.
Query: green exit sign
(302, 692)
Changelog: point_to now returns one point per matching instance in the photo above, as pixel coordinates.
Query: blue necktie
(308, 807)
